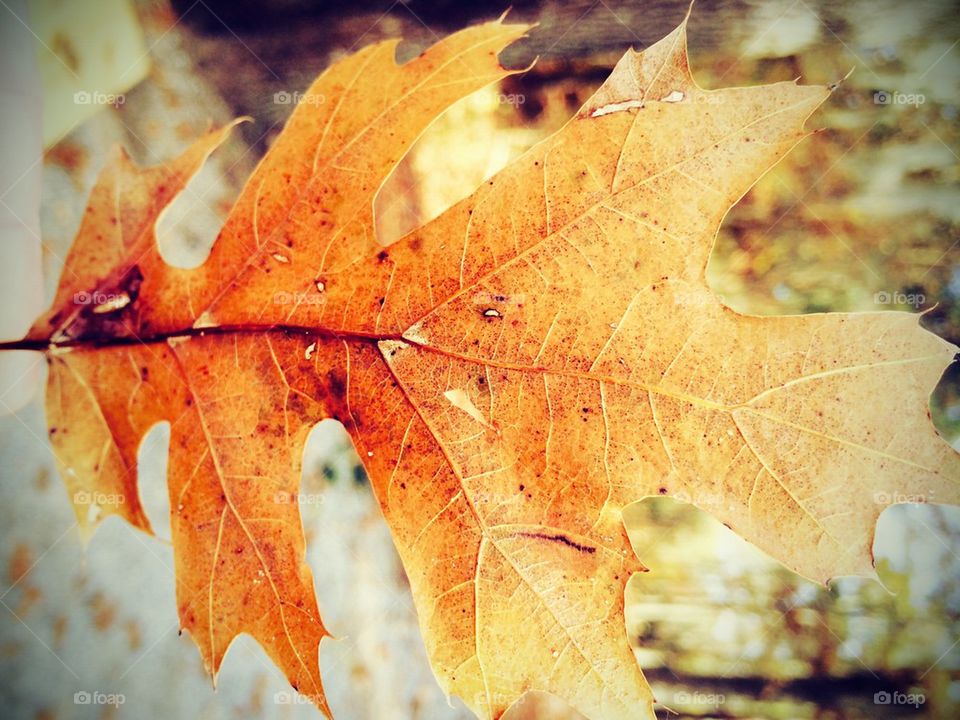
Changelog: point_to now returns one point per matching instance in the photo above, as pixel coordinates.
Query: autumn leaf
(513, 374)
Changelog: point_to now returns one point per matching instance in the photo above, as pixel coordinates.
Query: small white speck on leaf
(206, 319)
(491, 312)
(414, 334)
(280, 258)
(460, 400)
(308, 353)
(111, 303)
(320, 286)
(674, 97)
(616, 107)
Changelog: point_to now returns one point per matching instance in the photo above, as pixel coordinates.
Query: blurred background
(864, 215)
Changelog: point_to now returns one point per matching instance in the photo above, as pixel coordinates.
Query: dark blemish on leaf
(144, 373)
(382, 255)
(663, 491)
(295, 404)
(559, 538)
(521, 488)
(338, 387)
(132, 282)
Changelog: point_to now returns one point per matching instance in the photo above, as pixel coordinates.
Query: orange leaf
(514, 373)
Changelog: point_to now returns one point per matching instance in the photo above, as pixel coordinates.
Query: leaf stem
(45, 345)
